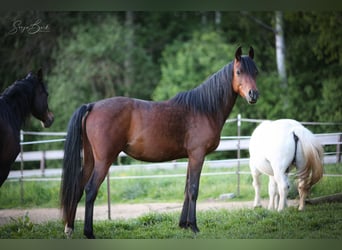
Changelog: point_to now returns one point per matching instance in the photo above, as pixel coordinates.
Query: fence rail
(227, 143)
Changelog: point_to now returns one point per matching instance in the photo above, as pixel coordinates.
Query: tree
(92, 65)
(186, 65)
(314, 65)
(280, 47)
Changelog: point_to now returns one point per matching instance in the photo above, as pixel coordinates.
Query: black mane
(211, 94)
(16, 100)
(214, 93)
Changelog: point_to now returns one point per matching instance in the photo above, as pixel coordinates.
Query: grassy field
(320, 221)
(317, 222)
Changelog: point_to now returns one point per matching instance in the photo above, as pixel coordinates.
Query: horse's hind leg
(272, 193)
(283, 189)
(87, 170)
(91, 190)
(303, 193)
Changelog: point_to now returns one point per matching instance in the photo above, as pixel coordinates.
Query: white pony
(275, 148)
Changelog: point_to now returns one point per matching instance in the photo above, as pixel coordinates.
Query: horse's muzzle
(49, 120)
(252, 96)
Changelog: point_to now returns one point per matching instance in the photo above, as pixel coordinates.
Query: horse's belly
(154, 152)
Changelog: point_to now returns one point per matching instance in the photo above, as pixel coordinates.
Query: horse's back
(272, 144)
(145, 130)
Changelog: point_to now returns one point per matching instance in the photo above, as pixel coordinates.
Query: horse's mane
(16, 100)
(213, 93)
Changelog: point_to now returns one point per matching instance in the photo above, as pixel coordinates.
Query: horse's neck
(228, 107)
(18, 111)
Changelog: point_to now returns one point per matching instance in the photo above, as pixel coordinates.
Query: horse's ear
(29, 75)
(238, 53)
(251, 52)
(40, 75)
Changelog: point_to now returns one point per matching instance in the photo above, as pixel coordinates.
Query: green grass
(321, 221)
(316, 222)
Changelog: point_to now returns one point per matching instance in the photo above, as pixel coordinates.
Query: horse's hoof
(89, 235)
(183, 224)
(194, 228)
(68, 232)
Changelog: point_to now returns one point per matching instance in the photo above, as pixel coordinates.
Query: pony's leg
(272, 193)
(256, 185)
(303, 193)
(283, 189)
(91, 190)
(188, 215)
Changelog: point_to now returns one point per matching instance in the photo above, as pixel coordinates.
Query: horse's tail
(72, 162)
(312, 171)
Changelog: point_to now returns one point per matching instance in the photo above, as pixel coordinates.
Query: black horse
(17, 102)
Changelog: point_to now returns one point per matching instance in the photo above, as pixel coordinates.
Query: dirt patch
(120, 211)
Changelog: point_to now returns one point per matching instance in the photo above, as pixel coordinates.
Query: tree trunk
(280, 47)
(129, 70)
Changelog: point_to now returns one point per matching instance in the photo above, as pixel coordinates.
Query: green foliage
(330, 106)
(35, 194)
(313, 62)
(186, 65)
(97, 62)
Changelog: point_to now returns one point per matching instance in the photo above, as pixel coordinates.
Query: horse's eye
(238, 72)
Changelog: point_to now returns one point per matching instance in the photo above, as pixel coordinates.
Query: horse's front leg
(184, 214)
(188, 216)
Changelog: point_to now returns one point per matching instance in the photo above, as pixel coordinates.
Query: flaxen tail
(72, 162)
(313, 155)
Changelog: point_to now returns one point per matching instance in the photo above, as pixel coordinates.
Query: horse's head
(244, 76)
(40, 107)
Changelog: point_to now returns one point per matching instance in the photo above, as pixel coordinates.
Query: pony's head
(40, 107)
(244, 76)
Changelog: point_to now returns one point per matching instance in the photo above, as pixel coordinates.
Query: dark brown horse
(17, 102)
(186, 126)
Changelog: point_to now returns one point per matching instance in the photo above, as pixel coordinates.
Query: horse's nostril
(253, 94)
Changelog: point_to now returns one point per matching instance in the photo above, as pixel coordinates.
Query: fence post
(338, 150)
(108, 196)
(238, 154)
(21, 168)
(43, 163)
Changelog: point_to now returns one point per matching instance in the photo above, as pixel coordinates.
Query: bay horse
(185, 126)
(275, 148)
(23, 98)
